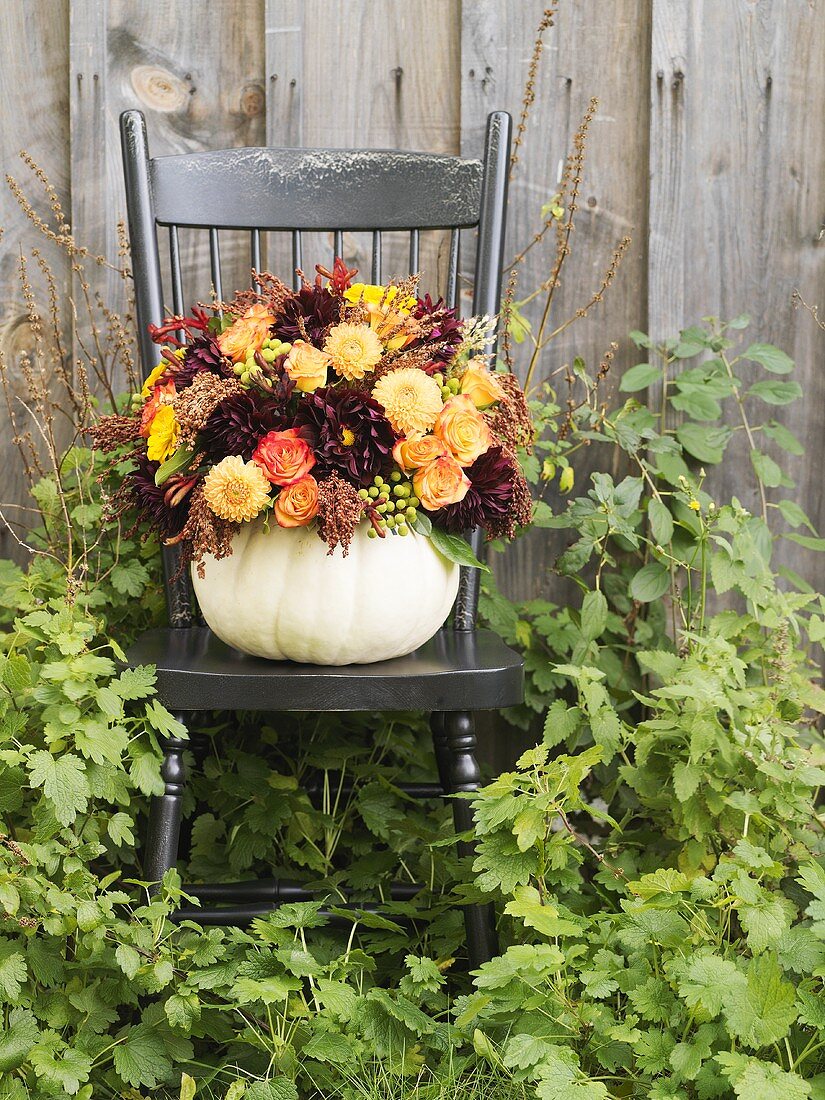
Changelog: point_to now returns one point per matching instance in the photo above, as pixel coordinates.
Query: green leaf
(774, 392)
(64, 783)
(17, 675)
(762, 1011)
(135, 683)
(593, 615)
(140, 1057)
(661, 521)
(128, 959)
(560, 722)
(783, 438)
(768, 472)
(188, 1088)
(130, 577)
(164, 722)
(640, 339)
(769, 357)
(276, 1088)
(456, 549)
(62, 1067)
(794, 516)
(17, 1040)
(180, 460)
(709, 981)
(705, 443)
(640, 377)
(12, 971)
(422, 524)
(753, 1079)
(695, 403)
(650, 583)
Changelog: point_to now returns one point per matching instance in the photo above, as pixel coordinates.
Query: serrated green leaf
(64, 783)
(705, 443)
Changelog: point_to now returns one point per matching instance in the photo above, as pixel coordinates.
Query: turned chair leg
(465, 775)
(163, 836)
(442, 753)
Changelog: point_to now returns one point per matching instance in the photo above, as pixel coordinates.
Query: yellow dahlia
(236, 490)
(162, 440)
(353, 350)
(411, 400)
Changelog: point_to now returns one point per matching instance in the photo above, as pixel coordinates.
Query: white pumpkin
(280, 595)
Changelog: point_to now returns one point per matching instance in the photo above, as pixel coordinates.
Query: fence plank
(737, 193)
(34, 91)
(200, 83)
(585, 55)
(394, 79)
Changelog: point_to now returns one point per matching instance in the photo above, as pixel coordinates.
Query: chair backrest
(308, 190)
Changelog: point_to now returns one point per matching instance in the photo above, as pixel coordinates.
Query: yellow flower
(695, 505)
(353, 350)
(480, 386)
(236, 490)
(411, 400)
(372, 295)
(158, 372)
(388, 312)
(163, 435)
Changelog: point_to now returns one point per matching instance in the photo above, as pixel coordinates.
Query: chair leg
(442, 753)
(465, 775)
(163, 836)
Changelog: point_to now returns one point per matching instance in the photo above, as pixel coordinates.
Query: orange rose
(480, 386)
(297, 504)
(440, 483)
(462, 429)
(412, 454)
(284, 456)
(247, 332)
(307, 366)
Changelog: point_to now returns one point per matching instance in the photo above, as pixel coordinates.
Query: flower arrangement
(337, 404)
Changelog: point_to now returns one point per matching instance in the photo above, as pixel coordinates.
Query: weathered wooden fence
(708, 147)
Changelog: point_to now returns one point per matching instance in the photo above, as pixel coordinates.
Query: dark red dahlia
(348, 431)
(489, 498)
(202, 354)
(446, 328)
(239, 422)
(315, 306)
(164, 507)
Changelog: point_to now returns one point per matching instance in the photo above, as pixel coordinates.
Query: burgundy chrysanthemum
(489, 498)
(239, 423)
(446, 330)
(348, 431)
(164, 507)
(316, 307)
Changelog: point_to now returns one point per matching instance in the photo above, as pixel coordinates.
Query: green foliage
(655, 856)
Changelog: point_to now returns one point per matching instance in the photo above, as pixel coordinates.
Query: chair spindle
(376, 256)
(414, 242)
(255, 248)
(215, 265)
(452, 270)
(297, 258)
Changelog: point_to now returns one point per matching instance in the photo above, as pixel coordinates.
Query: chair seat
(455, 670)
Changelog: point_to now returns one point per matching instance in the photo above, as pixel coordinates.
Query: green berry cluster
(449, 386)
(271, 349)
(393, 504)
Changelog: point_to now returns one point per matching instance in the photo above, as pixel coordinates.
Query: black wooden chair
(462, 669)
